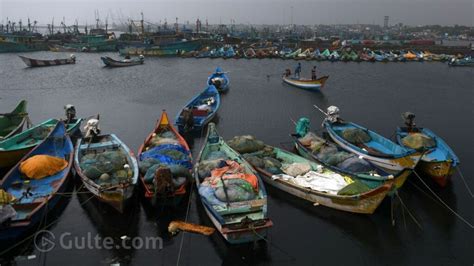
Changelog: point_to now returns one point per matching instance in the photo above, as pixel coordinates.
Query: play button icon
(44, 241)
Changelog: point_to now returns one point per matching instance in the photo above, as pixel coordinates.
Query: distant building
(385, 22)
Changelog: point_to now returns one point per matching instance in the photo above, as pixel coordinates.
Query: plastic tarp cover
(328, 182)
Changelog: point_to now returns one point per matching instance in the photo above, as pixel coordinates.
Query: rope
(406, 208)
(441, 201)
(465, 183)
(31, 237)
(273, 245)
(188, 207)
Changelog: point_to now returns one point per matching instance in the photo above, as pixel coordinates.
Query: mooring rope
(34, 234)
(441, 201)
(465, 183)
(273, 245)
(406, 208)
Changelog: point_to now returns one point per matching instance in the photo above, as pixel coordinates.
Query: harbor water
(130, 100)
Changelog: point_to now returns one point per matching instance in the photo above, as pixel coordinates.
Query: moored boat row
(352, 169)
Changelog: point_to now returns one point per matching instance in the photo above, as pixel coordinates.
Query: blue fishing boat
(199, 111)
(31, 199)
(334, 157)
(440, 161)
(219, 79)
(368, 144)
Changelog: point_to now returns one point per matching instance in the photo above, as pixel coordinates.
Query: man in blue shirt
(298, 70)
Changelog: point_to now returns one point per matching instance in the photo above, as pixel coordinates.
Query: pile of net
(39, 133)
(356, 135)
(165, 151)
(226, 181)
(328, 153)
(107, 168)
(304, 174)
(40, 166)
(245, 144)
(418, 141)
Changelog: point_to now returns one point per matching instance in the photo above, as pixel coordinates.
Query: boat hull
(109, 62)
(243, 235)
(42, 63)
(118, 195)
(364, 205)
(307, 84)
(440, 172)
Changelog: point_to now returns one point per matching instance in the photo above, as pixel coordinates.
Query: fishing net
(245, 144)
(418, 141)
(308, 138)
(40, 166)
(355, 188)
(325, 152)
(168, 135)
(296, 169)
(167, 154)
(111, 163)
(355, 165)
(157, 141)
(272, 165)
(254, 160)
(235, 190)
(356, 135)
(302, 126)
(337, 157)
(214, 155)
(144, 165)
(205, 167)
(176, 170)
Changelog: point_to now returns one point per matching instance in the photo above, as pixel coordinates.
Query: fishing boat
(318, 184)
(334, 56)
(250, 53)
(199, 111)
(328, 153)
(410, 56)
(239, 220)
(464, 62)
(15, 147)
(107, 168)
(373, 147)
(219, 79)
(30, 199)
(307, 84)
(22, 42)
(162, 139)
(110, 62)
(41, 63)
(293, 54)
(12, 123)
(165, 49)
(440, 161)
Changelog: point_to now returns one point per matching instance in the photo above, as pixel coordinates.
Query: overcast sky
(409, 12)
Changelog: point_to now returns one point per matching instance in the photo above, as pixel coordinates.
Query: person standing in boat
(298, 70)
(313, 73)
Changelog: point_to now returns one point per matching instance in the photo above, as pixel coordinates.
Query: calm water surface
(131, 99)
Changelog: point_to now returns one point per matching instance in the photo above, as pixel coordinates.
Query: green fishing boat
(12, 123)
(10, 43)
(316, 183)
(15, 147)
(231, 192)
(168, 49)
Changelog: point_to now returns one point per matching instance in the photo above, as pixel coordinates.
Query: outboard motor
(92, 128)
(332, 114)
(409, 118)
(70, 111)
(141, 57)
(73, 57)
(218, 82)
